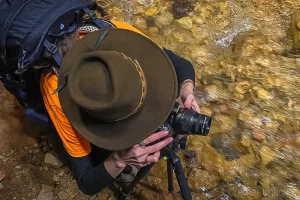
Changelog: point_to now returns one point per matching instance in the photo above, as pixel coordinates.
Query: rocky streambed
(245, 84)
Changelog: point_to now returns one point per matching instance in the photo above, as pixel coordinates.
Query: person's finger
(195, 106)
(154, 157)
(188, 101)
(155, 137)
(158, 146)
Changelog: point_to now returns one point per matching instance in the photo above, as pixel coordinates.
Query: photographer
(114, 89)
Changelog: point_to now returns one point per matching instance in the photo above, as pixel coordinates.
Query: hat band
(144, 86)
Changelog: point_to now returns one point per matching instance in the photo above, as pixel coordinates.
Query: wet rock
(46, 193)
(104, 3)
(245, 141)
(182, 8)
(63, 195)
(149, 195)
(151, 11)
(205, 111)
(159, 170)
(263, 94)
(212, 92)
(225, 122)
(249, 118)
(221, 108)
(51, 159)
(140, 23)
(153, 30)
(258, 135)
(245, 193)
(267, 155)
(242, 87)
(228, 146)
(292, 192)
(239, 96)
(201, 178)
(185, 22)
(114, 12)
(146, 2)
(164, 19)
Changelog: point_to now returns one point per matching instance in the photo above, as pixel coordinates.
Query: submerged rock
(140, 23)
(185, 22)
(164, 19)
(182, 8)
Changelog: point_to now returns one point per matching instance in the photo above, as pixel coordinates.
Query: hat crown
(108, 85)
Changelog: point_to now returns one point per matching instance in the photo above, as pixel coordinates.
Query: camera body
(187, 121)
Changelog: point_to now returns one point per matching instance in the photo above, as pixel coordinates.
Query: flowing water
(245, 84)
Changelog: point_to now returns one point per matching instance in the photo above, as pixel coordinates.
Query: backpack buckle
(19, 72)
(52, 48)
(92, 15)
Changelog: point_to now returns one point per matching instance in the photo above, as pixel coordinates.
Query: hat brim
(162, 89)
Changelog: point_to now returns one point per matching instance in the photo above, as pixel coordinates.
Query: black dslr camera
(181, 120)
(186, 121)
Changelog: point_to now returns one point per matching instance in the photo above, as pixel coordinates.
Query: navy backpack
(27, 29)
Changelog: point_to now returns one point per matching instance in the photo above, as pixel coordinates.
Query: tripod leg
(170, 176)
(140, 175)
(183, 184)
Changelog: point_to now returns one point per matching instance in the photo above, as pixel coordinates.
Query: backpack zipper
(21, 68)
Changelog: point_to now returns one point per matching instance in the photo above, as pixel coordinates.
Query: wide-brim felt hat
(120, 86)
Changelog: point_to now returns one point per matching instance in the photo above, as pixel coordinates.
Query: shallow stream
(245, 84)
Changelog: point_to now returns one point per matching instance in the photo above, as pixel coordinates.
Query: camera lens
(191, 122)
(201, 124)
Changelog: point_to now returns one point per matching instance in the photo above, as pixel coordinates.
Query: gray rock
(63, 195)
(2, 174)
(51, 159)
(46, 193)
(1, 186)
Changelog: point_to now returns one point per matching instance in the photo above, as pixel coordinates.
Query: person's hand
(187, 98)
(142, 155)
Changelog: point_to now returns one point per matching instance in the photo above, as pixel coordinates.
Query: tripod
(173, 164)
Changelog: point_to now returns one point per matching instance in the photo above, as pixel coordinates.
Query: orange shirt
(75, 144)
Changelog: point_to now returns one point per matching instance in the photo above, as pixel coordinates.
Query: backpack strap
(102, 24)
(53, 50)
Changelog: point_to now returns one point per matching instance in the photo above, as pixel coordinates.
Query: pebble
(63, 195)
(45, 168)
(46, 193)
(2, 174)
(1, 186)
(55, 178)
(18, 167)
(43, 137)
(46, 148)
(258, 135)
(44, 143)
(37, 151)
(52, 160)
